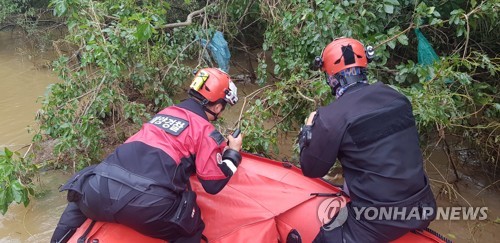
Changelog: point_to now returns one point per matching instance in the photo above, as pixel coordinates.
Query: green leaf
(72, 24)
(8, 153)
(60, 8)
(16, 185)
(265, 47)
(18, 195)
(392, 44)
(3, 202)
(388, 8)
(26, 199)
(403, 39)
(277, 69)
(435, 21)
(144, 31)
(31, 191)
(431, 10)
(392, 2)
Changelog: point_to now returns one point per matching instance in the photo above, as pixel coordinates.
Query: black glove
(230, 161)
(305, 136)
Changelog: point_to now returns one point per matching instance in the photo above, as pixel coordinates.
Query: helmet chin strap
(203, 102)
(216, 115)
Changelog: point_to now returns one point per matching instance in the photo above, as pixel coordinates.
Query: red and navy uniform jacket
(176, 143)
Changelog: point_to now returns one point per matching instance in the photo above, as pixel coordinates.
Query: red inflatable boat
(264, 201)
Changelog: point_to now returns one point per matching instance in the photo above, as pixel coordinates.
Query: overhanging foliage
(131, 49)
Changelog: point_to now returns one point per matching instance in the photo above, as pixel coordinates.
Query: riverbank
(36, 222)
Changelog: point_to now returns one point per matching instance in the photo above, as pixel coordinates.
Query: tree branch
(394, 37)
(189, 20)
(305, 97)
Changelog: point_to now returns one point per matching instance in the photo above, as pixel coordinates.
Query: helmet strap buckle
(204, 102)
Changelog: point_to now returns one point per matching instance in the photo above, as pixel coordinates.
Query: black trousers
(373, 231)
(145, 213)
(354, 231)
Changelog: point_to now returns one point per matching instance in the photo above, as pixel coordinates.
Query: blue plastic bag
(219, 50)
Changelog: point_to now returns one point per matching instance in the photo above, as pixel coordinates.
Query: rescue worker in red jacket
(144, 183)
(371, 130)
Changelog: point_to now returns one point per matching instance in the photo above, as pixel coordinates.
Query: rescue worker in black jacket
(144, 183)
(371, 130)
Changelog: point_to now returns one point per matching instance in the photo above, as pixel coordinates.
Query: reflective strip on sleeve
(230, 165)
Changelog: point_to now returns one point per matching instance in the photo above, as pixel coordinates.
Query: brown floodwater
(21, 83)
(469, 191)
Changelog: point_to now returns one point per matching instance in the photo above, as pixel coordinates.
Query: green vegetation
(456, 95)
(131, 57)
(128, 58)
(15, 179)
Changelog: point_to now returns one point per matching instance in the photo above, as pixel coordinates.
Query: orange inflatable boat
(264, 201)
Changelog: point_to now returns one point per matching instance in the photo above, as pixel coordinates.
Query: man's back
(371, 130)
(379, 146)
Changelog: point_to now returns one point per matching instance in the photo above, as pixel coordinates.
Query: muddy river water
(22, 83)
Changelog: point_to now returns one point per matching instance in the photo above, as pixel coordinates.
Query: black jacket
(371, 130)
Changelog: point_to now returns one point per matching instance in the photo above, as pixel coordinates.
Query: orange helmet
(343, 53)
(214, 84)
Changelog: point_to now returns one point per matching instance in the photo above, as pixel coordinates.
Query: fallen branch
(447, 151)
(305, 97)
(7, 26)
(284, 117)
(250, 96)
(487, 187)
(189, 20)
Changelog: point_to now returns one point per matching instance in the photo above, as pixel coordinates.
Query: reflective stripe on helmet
(199, 80)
